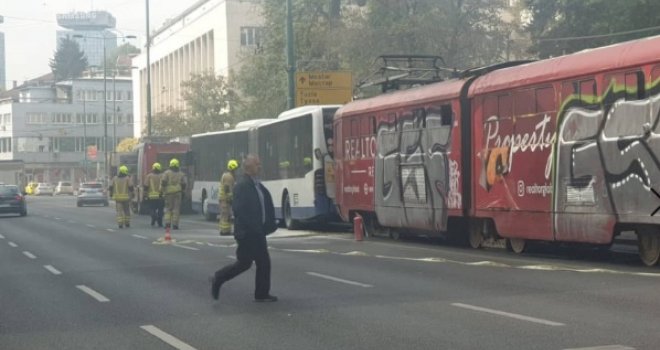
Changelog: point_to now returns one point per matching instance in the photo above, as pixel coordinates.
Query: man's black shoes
(267, 299)
(215, 287)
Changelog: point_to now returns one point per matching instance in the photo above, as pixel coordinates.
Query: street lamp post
(148, 74)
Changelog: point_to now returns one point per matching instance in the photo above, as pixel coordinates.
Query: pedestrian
(121, 189)
(254, 219)
(173, 184)
(227, 182)
(155, 202)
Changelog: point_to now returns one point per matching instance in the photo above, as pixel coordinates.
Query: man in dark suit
(254, 219)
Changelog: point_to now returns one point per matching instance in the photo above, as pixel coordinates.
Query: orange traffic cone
(168, 237)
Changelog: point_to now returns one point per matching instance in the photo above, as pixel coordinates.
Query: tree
(68, 61)
(338, 35)
(210, 105)
(123, 52)
(126, 145)
(570, 20)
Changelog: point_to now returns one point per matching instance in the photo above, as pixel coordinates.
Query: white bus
(296, 152)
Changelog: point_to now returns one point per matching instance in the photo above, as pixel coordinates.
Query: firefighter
(226, 195)
(173, 184)
(121, 189)
(154, 194)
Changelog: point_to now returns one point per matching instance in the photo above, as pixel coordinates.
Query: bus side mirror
(318, 154)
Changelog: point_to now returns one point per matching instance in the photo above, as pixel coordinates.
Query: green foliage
(578, 18)
(209, 107)
(69, 61)
(123, 53)
(338, 35)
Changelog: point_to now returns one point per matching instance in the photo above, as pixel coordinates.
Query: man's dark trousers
(156, 207)
(250, 249)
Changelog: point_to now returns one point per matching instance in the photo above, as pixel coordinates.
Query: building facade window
(129, 95)
(129, 118)
(37, 118)
(5, 145)
(118, 95)
(5, 119)
(62, 118)
(251, 36)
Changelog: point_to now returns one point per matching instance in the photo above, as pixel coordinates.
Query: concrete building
(208, 36)
(89, 29)
(50, 125)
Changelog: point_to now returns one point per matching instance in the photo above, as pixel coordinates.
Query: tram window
(446, 114)
(490, 108)
(545, 99)
(568, 89)
(391, 120)
(588, 91)
(524, 102)
(355, 127)
(365, 126)
(634, 86)
(655, 75)
(420, 118)
(505, 106)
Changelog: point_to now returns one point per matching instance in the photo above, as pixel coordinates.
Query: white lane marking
(12, 244)
(90, 226)
(231, 257)
(341, 280)
(605, 347)
(71, 222)
(167, 338)
(58, 218)
(109, 230)
(183, 246)
(29, 255)
(508, 314)
(53, 270)
(94, 294)
(138, 236)
(2, 237)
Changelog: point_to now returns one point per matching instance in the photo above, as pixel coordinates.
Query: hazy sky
(30, 27)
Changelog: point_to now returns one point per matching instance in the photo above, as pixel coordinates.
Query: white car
(64, 187)
(43, 189)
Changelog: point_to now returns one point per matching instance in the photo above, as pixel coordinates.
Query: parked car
(43, 189)
(92, 193)
(64, 187)
(29, 189)
(12, 201)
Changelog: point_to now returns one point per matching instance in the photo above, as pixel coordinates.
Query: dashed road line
(605, 347)
(58, 218)
(90, 226)
(508, 314)
(109, 230)
(340, 280)
(29, 255)
(53, 270)
(167, 338)
(71, 221)
(2, 237)
(94, 294)
(231, 257)
(184, 247)
(139, 236)
(12, 244)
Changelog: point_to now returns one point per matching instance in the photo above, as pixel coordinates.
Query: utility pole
(290, 57)
(148, 75)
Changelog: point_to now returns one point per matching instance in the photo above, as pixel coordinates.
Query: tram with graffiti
(564, 149)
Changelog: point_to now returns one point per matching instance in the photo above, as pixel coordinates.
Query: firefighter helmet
(232, 165)
(174, 163)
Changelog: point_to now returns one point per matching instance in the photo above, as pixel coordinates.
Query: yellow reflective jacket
(227, 186)
(153, 184)
(121, 186)
(173, 181)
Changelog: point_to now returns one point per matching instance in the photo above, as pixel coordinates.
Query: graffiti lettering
(361, 148)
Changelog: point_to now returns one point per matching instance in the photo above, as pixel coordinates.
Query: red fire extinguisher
(358, 229)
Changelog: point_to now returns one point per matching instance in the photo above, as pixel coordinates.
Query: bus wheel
(205, 210)
(648, 242)
(516, 245)
(290, 223)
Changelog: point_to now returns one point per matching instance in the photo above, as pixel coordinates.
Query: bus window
(545, 99)
(634, 86)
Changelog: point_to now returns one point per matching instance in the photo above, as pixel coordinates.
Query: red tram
(564, 149)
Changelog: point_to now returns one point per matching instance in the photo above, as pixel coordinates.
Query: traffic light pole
(291, 59)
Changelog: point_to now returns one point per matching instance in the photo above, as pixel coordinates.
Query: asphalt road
(69, 279)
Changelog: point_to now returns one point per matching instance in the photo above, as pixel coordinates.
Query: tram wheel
(476, 238)
(648, 242)
(289, 221)
(516, 245)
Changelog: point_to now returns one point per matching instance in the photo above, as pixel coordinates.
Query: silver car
(92, 193)
(43, 189)
(64, 187)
